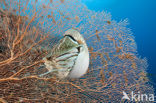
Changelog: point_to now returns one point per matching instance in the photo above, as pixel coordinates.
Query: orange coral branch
(25, 68)
(22, 36)
(2, 100)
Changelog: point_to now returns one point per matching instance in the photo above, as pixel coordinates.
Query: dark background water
(142, 18)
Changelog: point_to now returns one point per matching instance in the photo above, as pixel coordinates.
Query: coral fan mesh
(30, 28)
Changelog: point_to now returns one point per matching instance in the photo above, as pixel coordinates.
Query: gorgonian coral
(30, 28)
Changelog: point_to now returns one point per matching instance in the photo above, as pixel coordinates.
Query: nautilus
(69, 57)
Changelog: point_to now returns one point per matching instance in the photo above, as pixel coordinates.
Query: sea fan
(30, 28)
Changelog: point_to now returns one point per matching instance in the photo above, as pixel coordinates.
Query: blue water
(142, 18)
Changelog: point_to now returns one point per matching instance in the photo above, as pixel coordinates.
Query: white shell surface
(81, 65)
